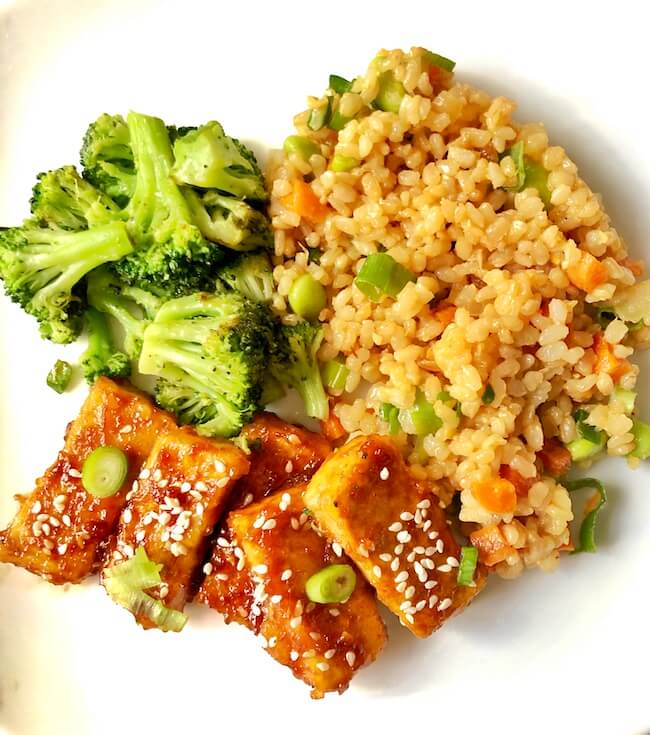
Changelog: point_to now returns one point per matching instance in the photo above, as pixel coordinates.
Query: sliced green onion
(641, 433)
(343, 163)
(335, 375)
(301, 146)
(580, 415)
(104, 471)
(445, 396)
(591, 433)
(338, 122)
(625, 397)
(391, 92)
(338, 84)
(467, 566)
(334, 583)
(421, 419)
(440, 61)
(390, 414)
(537, 178)
(587, 532)
(381, 275)
(137, 572)
(581, 449)
(59, 377)
(319, 117)
(307, 296)
(314, 255)
(604, 315)
(488, 394)
(516, 152)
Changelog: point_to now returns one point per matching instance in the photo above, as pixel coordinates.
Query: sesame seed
(62, 548)
(269, 525)
(334, 612)
(337, 549)
(440, 546)
(286, 575)
(46, 529)
(238, 552)
(394, 565)
(139, 536)
(398, 549)
(403, 537)
(405, 606)
(221, 576)
(286, 499)
(126, 429)
(395, 527)
(384, 474)
(54, 522)
(410, 618)
(409, 592)
(314, 635)
(186, 487)
(247, 500)
(428, 563)
(376, 570)
(309, 654)
(294, 655)
(385, 557)
(433, 535)
(163, 518)
(420, 605)
(272, 641)
(276, 598)
(42, 517)
(293, 439)
(418, 517)
(430, 584)
(419, 569)
(163, 483)
(36, 529)
(411, 557)
(258, 522)
(49, 545)
(295, 622)
(66, 520)
(59, 500)
(200, 508)
(402, 576)
(117, 556)
(294, 523)
(222, 482)
(178, 549)
(322, 666)
(432, 600)
(240, 565)
(144, 474)
(74, 473)
(330, 653)
(444, 568)
(406, 516)
(452, 561)
(298, 607)
(127, 516)
(446, 603)
(362, 551)
(350, 657)
(401, 587)
(36, 508)
(260, 569)
(430, 550)
(426, 503)
(426, 526)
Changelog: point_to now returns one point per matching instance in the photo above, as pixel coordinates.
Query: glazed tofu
(280, 453)
(60, 530)
(392, 527)
(257, 576)
(173, 507)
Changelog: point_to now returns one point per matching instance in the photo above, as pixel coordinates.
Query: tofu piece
(257, 575)
(60, 530)
(173, 507)
(280, 453)
(392, 527)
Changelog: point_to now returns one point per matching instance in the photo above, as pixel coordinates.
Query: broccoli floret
(62, 199)
(172, 257)
(229, 221)
(42, 270)
(210, 353)
(101, 357)
(208, 158)
(251, 275)
(107, 158)
(132, 307)
(299, 369)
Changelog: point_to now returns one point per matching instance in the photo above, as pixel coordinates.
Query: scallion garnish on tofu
(587, 541)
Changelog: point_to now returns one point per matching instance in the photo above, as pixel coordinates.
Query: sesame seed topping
(405, 606)
(440, 546)
(401, 587)
(334, 612)
(398, 549)
(384, 473)
(126, 429)
(200, 508)
(330, 653)
(276, 598)
(452, 561)
(186, 487)
(337, 548)
(430, 550)
(409, 592)
(419, 569)
(376, 570)
(238, 552)
(295, 622)
(426, 526)
(260, 569)
(294, 523)
(36, 529)
(49, 544)
(426, 503)
(178, 549)
(46, 529)
(222, 482)
(127, 516)
(411, 557)
(62, 548)
(258, 522)
(444, 568)
(247, 500)
(395, 527)
(294, 655)
(309, 654)
(221, 576)
(42, 517)
(403, 537)
(117, 556)
(394, 565)
(362, 551)
(272, 641)
(418, 517)
(430, 584)
(406, 516)
(207, 568)
(350, 657)
(286, 575)
(410, 618)
(144, 474)
(420, 605)
(74, 473)
(446, 603)
(66, 520)
(269, 525)
(139, 536)
(36, 508)
(163, 483)
(286, 499)
(322, 666)
(428, 563)
(293, 439)
(402, 576)
(385, 557)
(288, 468)
(432, 600)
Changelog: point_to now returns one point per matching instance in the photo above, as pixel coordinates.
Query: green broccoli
(42, 270)
(206, 157)
(63, 200)
(101, 357)
(107, 158)
(132, 307)
(171, 257)
(229, 221)
(251, 275)
(298, 366)
(210, 353)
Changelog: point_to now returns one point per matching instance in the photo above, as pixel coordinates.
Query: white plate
(560, 653)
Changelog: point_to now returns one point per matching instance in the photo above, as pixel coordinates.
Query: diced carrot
(555, 458)
(434, 73)
(332, 428)
(522, 484)
(606, 360)
(496, 495)
(636, 266)
(304, 202)
(444, 313)
(491, 544)
(587, 273)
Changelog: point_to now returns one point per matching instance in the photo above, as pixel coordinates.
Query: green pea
(343, 163)
(301, 146)
(307, 297)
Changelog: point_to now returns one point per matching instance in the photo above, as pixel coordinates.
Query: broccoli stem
(101, 357)
(313, 395)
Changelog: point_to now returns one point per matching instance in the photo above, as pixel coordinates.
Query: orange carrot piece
(304, 202)
(491, 544)
(332, 428)
(522, 484)
(606, 360)
(555, 457)
(444, 314)
(587, 273)
(496, 495)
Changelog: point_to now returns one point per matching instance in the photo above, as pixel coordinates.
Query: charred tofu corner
(392, 527)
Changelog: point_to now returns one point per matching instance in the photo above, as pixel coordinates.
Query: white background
(562, 653)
